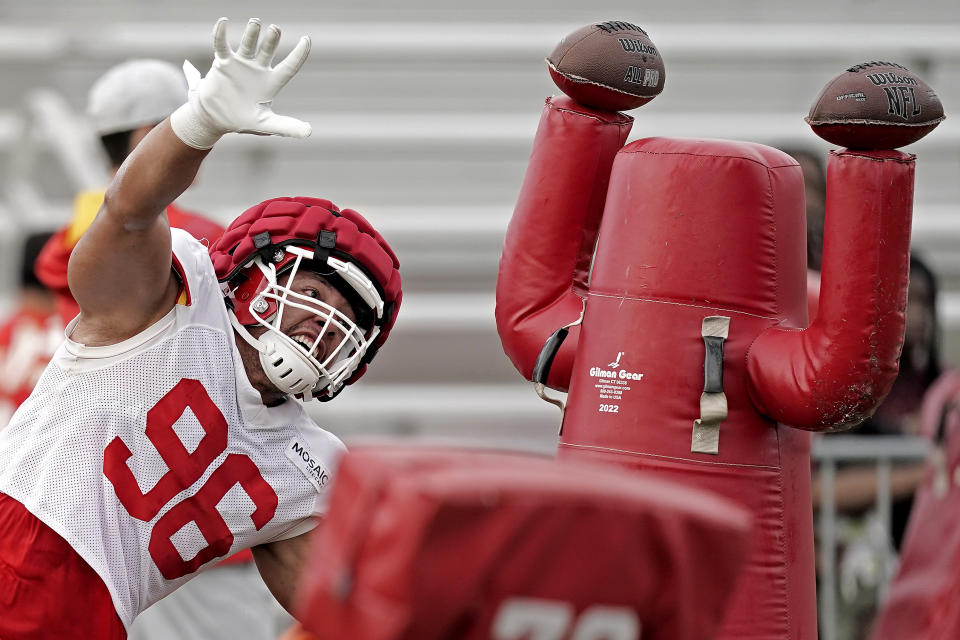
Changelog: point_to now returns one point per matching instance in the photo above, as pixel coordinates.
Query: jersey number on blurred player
(538, 619)
(185, 468)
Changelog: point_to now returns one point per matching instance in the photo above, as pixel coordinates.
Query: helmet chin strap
(286, 365)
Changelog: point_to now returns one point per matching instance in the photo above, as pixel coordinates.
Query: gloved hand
(237, 93)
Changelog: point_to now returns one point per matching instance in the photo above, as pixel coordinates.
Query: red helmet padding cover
(924, 597)
(549, 243)
(423, 544)
(300, 218)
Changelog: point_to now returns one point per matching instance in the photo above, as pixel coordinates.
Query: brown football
(875, 105)
(612, 66)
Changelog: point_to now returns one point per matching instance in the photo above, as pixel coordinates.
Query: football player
(164, 434)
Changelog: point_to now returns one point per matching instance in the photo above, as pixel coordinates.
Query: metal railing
(827, 452)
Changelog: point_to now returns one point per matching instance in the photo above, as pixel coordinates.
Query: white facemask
(295, 366)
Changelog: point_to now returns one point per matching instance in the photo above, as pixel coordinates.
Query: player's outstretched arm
(120, 271)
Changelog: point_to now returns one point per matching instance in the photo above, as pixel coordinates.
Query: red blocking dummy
(694, 313)
(424, 544)
(924, 598)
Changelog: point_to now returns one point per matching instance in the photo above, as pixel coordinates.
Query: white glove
(237, 93)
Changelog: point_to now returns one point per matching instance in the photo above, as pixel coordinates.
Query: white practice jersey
(155, 457)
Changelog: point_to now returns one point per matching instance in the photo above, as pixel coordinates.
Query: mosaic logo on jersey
(310, 466)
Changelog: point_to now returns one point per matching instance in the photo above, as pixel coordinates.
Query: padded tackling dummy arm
(833, 374)
(550, 240)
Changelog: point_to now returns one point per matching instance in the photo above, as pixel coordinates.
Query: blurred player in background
(113, 493)
(123, 105)
(28, 335)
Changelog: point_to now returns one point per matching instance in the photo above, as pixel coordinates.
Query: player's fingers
(269, 45)
(220, 47)
(294, 60)
(286, 126)
(248, 43)
(191, 74)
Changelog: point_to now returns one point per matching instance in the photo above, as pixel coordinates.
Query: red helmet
(284, 235)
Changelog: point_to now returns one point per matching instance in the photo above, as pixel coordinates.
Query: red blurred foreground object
(437, 543)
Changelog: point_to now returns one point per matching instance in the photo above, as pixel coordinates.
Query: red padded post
(549, 243)
(832, 375)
